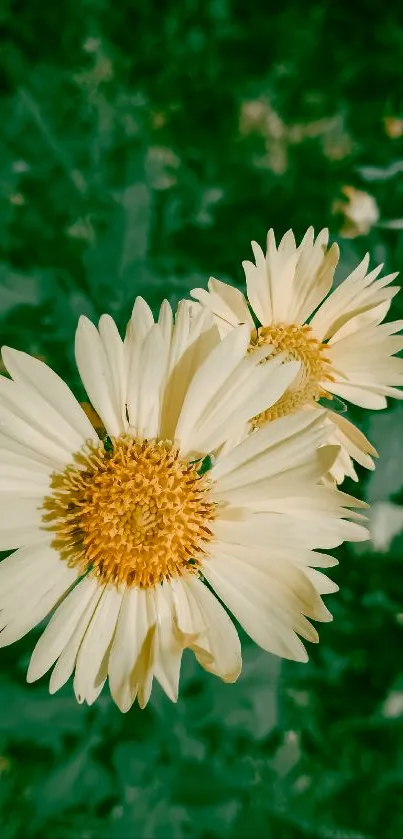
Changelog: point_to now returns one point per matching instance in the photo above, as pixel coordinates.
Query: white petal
(227, 303)
(218, 649)
(114, 350)
(322, 583)
(302, 424)
(149, 385)
(20, 459)
(208, 380)
(92, 658)
(66, 661)
(27, 563)
(239, 401)
(94, 362)
(258, 287)
(272, 460)
(22, 450)
(27, 418)
(358, 293)
(313, 275)
(169, 649)
(28, 603)
(281, 266)
(353, 444)
(22, 476)
(143, 673)
(192, 341)
(142, 319)
(359, 395)
(190, 620)
(135, 624)
(41, 379)
(268, 600)
(165, 321)
(20, 522)
(61, 628)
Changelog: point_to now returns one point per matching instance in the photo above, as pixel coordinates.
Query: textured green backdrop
(143, 145)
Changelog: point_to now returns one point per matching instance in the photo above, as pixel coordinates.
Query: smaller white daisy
(344, 348)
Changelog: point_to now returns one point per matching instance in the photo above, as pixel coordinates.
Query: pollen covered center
(300, 344)
(130, 511)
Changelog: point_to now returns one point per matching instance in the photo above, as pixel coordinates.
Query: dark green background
(126, 167)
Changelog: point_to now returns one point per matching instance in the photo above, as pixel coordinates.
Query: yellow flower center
(301, 345)
(130, 511)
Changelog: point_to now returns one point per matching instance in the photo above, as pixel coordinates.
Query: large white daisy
(118, 536)
(344, 348)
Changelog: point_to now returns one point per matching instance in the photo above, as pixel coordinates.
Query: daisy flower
(338, 336)
(129, 539)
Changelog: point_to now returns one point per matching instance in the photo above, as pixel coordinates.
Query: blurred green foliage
(142, 147)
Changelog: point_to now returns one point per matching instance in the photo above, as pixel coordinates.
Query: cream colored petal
(239, 404)
(234, 436)
(169, 649)
(202, 339)
(142, 319)
(391, 327)
(322, 583)
(207, 381)
(278, 537)
(143, 672)
(193, 338)
(166, 322)
(22, 450)
(26, 418)
(316, 502)
(92, 659)
(29, 563)
(281, 446)
(366, 378)
(281, 266)
(359, 395)
(258, 286)
(153, 364)
(227, 303)
(373, 315)
(271, 436)
(218, 648)
(189, 619)
(135, 623)
(323, 528)
(114, 351)
(346, 355)
(61, 628)
(268, 600)
(343, 467)
(353, 444)
(28, 602)
(268, 533)
(358, 293)
(18, 457)
(234, 299)
(65, 664)
(21, 476)
(42, 380)
(95, 364)
(313, 274)
(20, 522)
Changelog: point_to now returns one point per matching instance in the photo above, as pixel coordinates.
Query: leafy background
(142, 147)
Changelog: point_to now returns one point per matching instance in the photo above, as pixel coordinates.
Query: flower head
(118, 532)
(344, 349)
